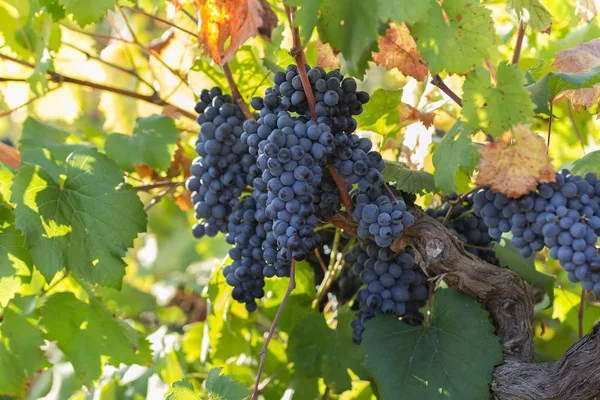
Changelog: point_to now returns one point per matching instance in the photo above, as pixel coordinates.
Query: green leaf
(222, 387)
(457, 36)
(496, 109)
(454, 150)
(129, 302)
(381, 113)
(509, 256)
(408, 180)
(404, 11)
(553, 83)
(87, 11)
(351, 28)
(77, 215)
(152, 143)
(452, 358)
(588, 163)
(20, 353)
(329, 357)
(532, 12)
(54, 8)
(59, 143)
(15, 261)
(305, 17)
(76, 325)
(182, 390)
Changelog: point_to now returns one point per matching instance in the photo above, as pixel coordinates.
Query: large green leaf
(152, 143)
(89, 335)
(182, 390)
(222, 387)
(452, 358)
(496, 108)
(306, 16)
(455, 150)
(588, 163)
(457, 35)
(404, 11)
(86, 12)
(533, 12)
(350, 27)
(20, 353)
(509, 257)
(553, 83)
(381, 113)
(408, 180)
(77, 215)
(59, 143)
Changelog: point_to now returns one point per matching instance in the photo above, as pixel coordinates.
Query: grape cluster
(394, 284)
(223, 166)
(357, 163)
(337, 99)
(380, 217)
(469, 228)
(563, 216)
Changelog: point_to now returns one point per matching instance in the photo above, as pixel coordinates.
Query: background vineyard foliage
(167, 318)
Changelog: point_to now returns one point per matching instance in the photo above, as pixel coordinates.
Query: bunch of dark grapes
(394, 284)
(469, 228)
(563, 216)
(357, 163)
(223, 166)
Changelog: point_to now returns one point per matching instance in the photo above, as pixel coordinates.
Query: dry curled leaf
(233, 20)
(586, 9)
(515, 163)
(409, 114)
(397, 49)
(326, 57)
(582, 58)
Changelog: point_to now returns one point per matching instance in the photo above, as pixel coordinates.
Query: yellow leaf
(326, 57)
(397, 49)
(515, 163)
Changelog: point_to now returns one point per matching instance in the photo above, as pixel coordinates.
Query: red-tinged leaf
(9, 155)
(409, 114)
(582, 58)
(397, 49)
(515, 163)
(233, 21)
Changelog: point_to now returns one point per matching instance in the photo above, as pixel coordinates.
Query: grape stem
(437, 80)
(330, 273)
(519, 44)
(321, 262)
(341, 185)
(297, 52)
(160, 196)
(263, 351)
(237, 97)
(457, 202)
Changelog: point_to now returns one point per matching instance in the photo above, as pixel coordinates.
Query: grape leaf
(404, 11)
(381, 113)
(54, 8)
(582, 58)
(496, 109)
(516, 163)
(454, 150)
(456, 36)
(434, 362)
(20, 353)
(326, 58)
(222, 387)
(15, 262)
(152, 143)
(182, 390)
(509, 257)
(305, 17)
(588, 163)
(350, 27)
(77, 215)
(408, 180)
(77, 325)
(87, 12)
(59, 143)
(329, 357)
(397, 49)
(532, 12)
(232, 22)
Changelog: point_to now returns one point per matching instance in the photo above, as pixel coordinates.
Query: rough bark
(576, 376)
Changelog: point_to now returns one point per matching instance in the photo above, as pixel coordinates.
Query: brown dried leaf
(184, 201)
(409, 114)
(586, 9)
(397, 49)
(326, 57)
(9, 155)
(580, 58)
(236, 20)
(515, 163)
(145, 171)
